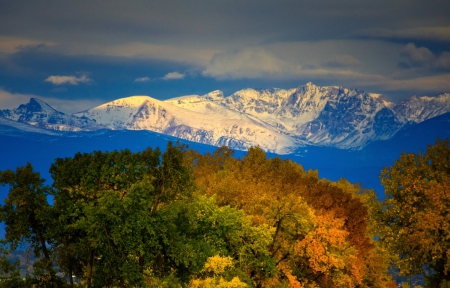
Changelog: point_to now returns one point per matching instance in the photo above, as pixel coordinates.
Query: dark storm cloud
(117, 21)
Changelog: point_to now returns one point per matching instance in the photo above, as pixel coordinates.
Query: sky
(76, 55)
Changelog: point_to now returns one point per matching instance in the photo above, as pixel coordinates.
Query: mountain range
(278, 120)
(308, 124)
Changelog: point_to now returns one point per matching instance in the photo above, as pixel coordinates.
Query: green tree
(9, 270)
(121, 231)
(97, 194)
(27, 216)
(416, 211)
(193, 231)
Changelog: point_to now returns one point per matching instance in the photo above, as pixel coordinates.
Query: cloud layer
(204, 45)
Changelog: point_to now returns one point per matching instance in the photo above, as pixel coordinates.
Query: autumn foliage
(320, 230)
(179, 218)
(415, 213)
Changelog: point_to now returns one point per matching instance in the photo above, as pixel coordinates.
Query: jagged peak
(36, 105)
(382, 99)
(308, 87)
(38, 101)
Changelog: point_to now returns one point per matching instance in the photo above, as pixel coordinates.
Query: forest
(179, 218)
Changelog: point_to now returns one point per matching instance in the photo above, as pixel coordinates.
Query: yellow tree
(416, 212)
(280, 193)
(378, 259)
(212, 274)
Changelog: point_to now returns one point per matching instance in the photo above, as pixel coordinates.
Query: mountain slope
(217, 127)
(326, 116)
(40, 114)
(8, 126)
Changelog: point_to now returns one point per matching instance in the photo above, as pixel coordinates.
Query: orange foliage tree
(320, 229)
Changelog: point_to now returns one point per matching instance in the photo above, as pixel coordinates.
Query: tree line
(180, 218)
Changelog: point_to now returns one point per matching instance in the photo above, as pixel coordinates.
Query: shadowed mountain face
(279, 121)
(40, 114)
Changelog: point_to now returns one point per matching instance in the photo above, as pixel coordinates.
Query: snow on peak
(382, 99)
(375, 95)
(215, 95)
(310, 85)
(132, 101)
(118, 112)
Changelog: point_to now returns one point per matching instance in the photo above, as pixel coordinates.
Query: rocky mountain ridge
(39, 114)
(277, 120)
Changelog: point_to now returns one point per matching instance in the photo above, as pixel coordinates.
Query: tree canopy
(179, 218)
(321, 230)
(415, 212)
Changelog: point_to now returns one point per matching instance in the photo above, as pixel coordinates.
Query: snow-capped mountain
(329, 116)
(40, 114)
(204, 122)
(419, 109)
(277, 120)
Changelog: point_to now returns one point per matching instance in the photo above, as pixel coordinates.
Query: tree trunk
(36, 228)
(90, 268)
